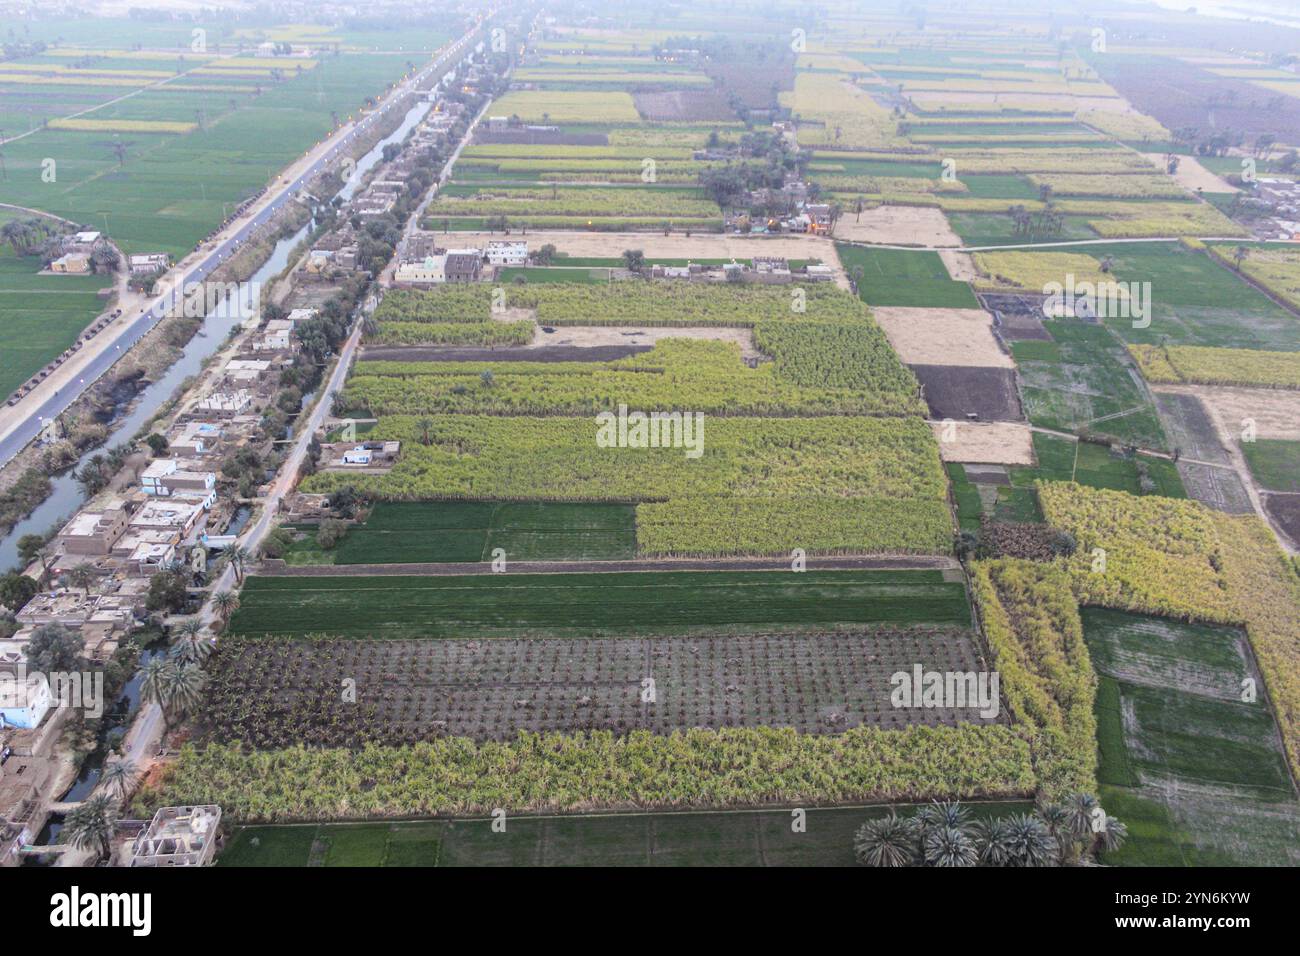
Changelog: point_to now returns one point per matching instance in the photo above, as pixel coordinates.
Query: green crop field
(40, 316)
(1086, 385)
(740, 838)
(1194, 771)
(403, 531)
(1197, 300)
(1274, 462)
(636, 602)
(906, 278)
(169, 190)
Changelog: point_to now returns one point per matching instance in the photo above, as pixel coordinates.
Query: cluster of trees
(1067, 834)
(28, 236)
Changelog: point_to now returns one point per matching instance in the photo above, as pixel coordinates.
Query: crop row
(861, 375)
(1204, 365)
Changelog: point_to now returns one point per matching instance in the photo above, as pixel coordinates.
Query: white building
(278, 337)
(431, 270)
(24, 699)
(507, 252)
(178, 836)
(148, 262)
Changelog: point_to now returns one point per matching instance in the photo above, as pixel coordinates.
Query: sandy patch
(960, 265)
(1191, 174)
(985, 443)
(898, 225)
(1275, 411)
(589, 336)
(942, 336)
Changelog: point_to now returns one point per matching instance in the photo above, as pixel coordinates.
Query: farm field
(1082, 382)
(167, 190)
(737, 838)
(398, 532)
(748, 494)
(818, 682)
(1275, 463)
(1198, 775)
(1008, 494)
(895, 277)
(40, 315)
(592, 605)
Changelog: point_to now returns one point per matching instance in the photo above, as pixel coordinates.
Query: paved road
(131, 333)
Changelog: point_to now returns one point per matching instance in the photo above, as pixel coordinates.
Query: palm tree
(183, 686)
(889, 841)
(1112, 836)
(424, 424)
(118, 778)
(1239, 255)
(47, 556)
(81, 577)
(949, 846)
(153, 682)
(90, 825)
(226, 603)
(1082, 814)
(191, 644)
(236, 557)
(993, 838)
(946, 815)
(1029, 842)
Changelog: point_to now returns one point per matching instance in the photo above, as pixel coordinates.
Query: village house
(169, 476)
(507, 252)
(194, 439)
(431, 270)
(174, 515)
(463, 265)
(72, 263)
(24, 701)
(276, 337)
(178, 836)
(145, 263)
(93, 533)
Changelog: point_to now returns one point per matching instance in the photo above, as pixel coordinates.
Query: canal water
(217, 326)
(111, 732)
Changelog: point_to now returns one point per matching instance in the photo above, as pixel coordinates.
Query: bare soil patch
(1276, 412)
(898, 225)
(1217, 488)
(1191, 174)
(942, 336)
(1017, 317)
(955, 392)
(985, 443)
